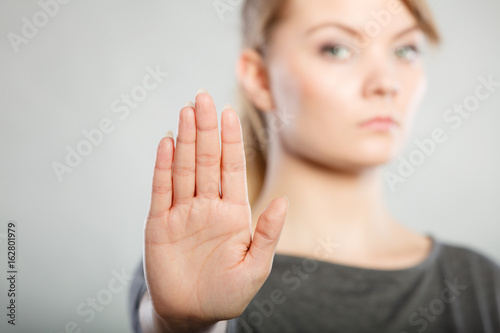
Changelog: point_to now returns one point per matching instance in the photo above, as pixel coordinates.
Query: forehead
(391, 14)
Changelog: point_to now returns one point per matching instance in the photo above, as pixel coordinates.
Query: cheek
(315, 89)
(326, 97)
(324, 118)
(329, 98)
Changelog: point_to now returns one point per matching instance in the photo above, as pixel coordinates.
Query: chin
(358, 160)
(375, 153)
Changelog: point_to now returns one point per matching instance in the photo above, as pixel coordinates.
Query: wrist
(153, 322)
(172, 325)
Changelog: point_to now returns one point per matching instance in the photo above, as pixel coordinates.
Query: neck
(347, 208)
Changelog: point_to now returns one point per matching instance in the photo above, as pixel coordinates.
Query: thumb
(265, 240)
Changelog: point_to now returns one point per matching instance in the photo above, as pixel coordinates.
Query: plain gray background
(72, 235)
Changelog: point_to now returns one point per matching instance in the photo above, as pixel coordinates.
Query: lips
(379, 123)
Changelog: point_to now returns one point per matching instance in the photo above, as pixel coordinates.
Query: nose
(382, 81)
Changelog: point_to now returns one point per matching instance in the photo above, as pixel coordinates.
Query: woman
(329, 92)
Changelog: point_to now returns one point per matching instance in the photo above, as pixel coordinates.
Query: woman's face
(336, 64)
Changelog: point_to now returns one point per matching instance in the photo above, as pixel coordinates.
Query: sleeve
(137, 289)
(232, 326)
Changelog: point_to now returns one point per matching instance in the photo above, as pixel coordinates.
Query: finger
(207, 147)
(234, 181)
(161, 197)
(267, 233)
(184, 157)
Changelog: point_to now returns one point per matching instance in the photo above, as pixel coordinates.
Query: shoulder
(467, 261)
(467, 254)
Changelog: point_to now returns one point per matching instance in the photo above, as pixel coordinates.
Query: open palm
(201, 261)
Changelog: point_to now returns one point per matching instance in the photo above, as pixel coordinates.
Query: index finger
(161, 197)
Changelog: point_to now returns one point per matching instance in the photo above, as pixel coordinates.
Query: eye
(407, 52)
(337, 51)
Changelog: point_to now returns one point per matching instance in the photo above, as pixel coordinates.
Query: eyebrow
(355, 32)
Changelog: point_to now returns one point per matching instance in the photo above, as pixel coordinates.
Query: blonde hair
(259, 17)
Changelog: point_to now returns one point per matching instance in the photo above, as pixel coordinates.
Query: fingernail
(188, 103)
(170, 134)
(227, 106)
(202, 91)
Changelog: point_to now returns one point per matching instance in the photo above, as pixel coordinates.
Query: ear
(254, 79)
